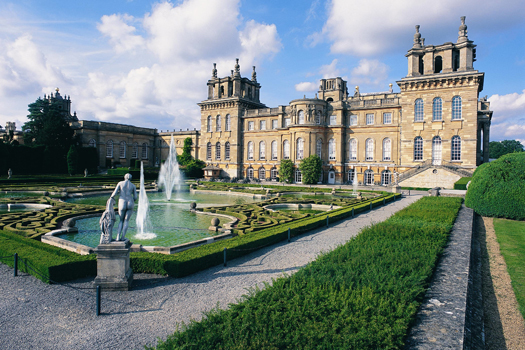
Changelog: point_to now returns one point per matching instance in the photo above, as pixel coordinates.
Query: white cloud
(120, 33)
(306, 86)
(508, 120)
(381, 25)
(330, 70)
(259, 40)
(372, 72)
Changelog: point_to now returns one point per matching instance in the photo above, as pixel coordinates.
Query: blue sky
(146, 63)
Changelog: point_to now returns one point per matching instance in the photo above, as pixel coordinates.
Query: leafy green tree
(185, 158)
(194, 168)
(311, 168)
(47, 127)
(497, 149)
(286, 171)
(72, 160)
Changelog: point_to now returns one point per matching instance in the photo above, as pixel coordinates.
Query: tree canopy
(185, 158)
(311, 168)
(499, 148)
(286, 171)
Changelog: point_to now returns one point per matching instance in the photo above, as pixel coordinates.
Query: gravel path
(34, 315)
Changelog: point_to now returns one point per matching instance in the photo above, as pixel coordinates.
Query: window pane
(456, 108)
(369, 119)
(418, 110)
(437, 109)
(387, 118)
(418, 148)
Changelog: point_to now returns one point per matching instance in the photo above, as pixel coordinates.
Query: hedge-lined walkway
(36, 315)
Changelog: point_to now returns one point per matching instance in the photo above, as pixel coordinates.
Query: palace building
(431, 133)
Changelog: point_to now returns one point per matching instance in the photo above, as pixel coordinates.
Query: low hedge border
(362, 295)
(461, 184)
(46, 262)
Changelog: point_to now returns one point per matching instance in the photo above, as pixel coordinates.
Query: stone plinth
(113, 270)
(396, 189)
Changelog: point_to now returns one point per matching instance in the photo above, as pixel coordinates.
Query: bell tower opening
(438, 64)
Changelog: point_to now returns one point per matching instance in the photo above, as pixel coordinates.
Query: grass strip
(511, 239)
(362, 295)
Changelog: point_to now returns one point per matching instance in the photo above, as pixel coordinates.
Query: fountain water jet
(354, 192)
(169, 175)
(144, 228)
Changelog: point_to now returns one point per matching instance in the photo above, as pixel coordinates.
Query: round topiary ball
(497, 188)
(193, 205)
(215, 222)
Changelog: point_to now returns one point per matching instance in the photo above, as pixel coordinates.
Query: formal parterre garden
(362, 295)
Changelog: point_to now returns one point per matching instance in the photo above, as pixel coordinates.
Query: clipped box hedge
(51, 263)
(497, 188)
(461, 184)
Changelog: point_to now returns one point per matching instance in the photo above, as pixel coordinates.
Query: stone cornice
(442, 81)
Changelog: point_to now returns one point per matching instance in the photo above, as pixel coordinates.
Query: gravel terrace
(34, 315)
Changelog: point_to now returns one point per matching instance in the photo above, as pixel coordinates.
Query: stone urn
(215, 222)
(193, 206)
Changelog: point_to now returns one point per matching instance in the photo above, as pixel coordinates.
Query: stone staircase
(452, 167)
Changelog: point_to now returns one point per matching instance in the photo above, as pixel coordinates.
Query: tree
(47, 127)
(185, 158)
(497, 149)
(72, 160)
(286, 171)
(311, 168)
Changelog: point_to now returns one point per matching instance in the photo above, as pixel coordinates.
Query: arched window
(436, 150)
(298, 176)
(92, 143)
(418, 148)
(352, 152)
(300, 148)
(274, 150)
(301, 117)
(218, 151)
(438, 64)
(228, 123)
(456, 148)
(353, 120)
(109, 149)
(122, 149)
(369, 149)
(319, 148)
(351, 176)
(274, 173)
(208, 151)
(208, 124)
(250, 150)
(218, 123)
(387, 149)
(227, 150)
(437, 109)
(286, 149)
(144, 151)
(249, 173)
(331, 149)
(135, 150)
(386, 177)
(262, 150)
(369, 177)
(262, 173)
(456, 108)
(318, 117)
(418, 110)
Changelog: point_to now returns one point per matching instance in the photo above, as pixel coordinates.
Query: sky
(146, 63)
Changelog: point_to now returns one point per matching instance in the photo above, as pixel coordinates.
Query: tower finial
(417, 39)
(254, 75)
(214, 71)
(237, 68)
(462, 35)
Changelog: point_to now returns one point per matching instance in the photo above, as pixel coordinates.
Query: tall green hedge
(498, 188)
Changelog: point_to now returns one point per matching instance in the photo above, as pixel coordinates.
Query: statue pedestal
(396, 189)
(113, 270)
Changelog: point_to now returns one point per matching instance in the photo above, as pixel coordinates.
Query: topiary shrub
(497, 189)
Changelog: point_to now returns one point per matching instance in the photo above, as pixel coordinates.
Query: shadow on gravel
(494, 338)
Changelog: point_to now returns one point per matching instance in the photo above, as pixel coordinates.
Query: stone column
(486, 139)
(113, 270)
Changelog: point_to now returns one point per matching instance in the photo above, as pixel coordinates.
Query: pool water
(172, 221)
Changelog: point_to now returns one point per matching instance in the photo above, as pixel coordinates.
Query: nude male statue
(126, 202)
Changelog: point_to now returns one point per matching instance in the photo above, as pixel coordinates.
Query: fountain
(169, 175)
(144, 228)
(354, 183)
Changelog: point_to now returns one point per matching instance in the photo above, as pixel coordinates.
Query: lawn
(511, 238)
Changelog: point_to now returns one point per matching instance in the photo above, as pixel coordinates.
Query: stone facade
(436, 121)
